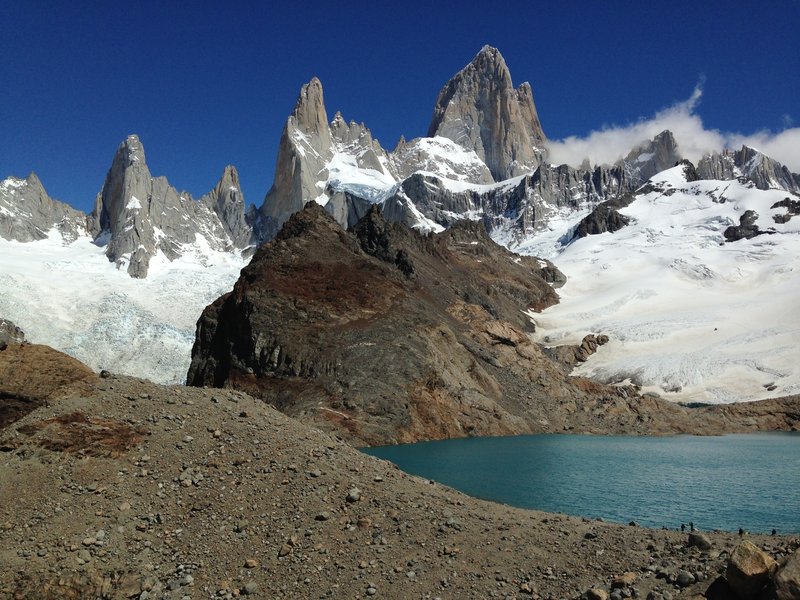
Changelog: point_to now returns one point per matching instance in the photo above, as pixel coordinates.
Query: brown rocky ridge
(212, 493)
(384, 335)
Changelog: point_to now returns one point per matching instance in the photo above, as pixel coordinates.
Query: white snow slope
(70, 297)
(690, 317)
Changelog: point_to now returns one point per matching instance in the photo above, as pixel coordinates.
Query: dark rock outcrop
(571, 355)
(792, 210)
(381, 331)
(746, 229)
(605, 217)
(386, 335)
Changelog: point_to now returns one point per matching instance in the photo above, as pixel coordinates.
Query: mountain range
(485, 159)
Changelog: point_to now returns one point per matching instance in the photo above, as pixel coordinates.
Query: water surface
(727, 482)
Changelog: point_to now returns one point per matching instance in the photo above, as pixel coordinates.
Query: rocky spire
(303, 155)
(227, 202)
(138, 215)
(480, 110)
(310, 116)
(651, 157)
(121, 208)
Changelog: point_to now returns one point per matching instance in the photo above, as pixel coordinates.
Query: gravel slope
(132, 489)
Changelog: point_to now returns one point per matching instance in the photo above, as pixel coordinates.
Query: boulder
(698, 540)
(749, 570)
(787, 579)
(623, 581)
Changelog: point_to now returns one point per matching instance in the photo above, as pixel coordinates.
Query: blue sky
(212, 84)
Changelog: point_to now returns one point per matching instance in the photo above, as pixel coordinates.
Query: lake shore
(129, 488)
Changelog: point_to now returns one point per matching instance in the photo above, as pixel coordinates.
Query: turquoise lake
(727, 482)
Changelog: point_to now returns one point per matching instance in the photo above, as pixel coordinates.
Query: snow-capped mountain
(139, 216)
(484, 159)
(121, 288)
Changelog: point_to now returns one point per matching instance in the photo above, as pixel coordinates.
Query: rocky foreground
(114, 487)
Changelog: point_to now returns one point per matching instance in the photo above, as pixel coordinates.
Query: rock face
(227, 202)
(389, 330)
(385, 335)
(308, 147)
(303, 156)
(480, 110)
(764, 172)
(28, 214)
(139, 215)
(604, 217)
(652, 157)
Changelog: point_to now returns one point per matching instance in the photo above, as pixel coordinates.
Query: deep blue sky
(211, 85)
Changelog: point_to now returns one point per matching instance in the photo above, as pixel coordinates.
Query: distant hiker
(741, 532)
(691, 525)
(683, 527)
(774, 532)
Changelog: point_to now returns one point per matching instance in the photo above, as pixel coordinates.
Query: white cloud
(611, 143)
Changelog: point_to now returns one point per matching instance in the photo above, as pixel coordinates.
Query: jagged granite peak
(309, 115)
(137, 215)
(28, 213)
(227, 201)
(718, 165)
(765, 172)
(652, 157)
(512, 210)
(355, 140)
(314, 161)
(303, 157)
(480, 110)
(751, 164)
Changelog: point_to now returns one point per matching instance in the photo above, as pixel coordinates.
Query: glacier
(69, 296)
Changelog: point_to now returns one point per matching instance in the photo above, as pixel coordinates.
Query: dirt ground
(133, 490)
